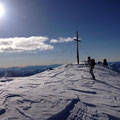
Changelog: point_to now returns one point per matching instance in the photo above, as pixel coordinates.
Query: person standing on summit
(91, 63)
(105, 62)
(89, 60)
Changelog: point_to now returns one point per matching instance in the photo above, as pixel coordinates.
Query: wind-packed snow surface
(64, 93)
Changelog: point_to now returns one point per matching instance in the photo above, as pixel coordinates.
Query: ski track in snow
(64, 93)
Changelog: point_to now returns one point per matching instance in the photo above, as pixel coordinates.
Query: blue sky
(28, 27)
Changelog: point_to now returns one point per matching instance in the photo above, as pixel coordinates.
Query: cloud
(62, 40)
(21, 44)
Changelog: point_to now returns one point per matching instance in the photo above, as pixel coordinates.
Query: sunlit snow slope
(64, 93)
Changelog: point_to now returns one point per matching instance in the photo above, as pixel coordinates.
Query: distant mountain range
(115, 66)
(31, 70)
(25, 71)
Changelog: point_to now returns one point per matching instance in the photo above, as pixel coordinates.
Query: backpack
(93, 62)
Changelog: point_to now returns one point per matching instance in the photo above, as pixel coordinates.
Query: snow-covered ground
(65, 93)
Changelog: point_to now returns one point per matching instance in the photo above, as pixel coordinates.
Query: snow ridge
(64, 93)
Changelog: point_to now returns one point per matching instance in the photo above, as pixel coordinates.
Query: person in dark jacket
(92, 67)
(91, 63)
(89, 60)
(105, 62)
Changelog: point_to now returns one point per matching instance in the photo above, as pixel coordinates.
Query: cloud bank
(21, 44)
(62, 40)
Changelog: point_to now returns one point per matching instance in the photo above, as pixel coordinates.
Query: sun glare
(1, 10)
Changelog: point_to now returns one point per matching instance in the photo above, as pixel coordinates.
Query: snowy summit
(64, 93)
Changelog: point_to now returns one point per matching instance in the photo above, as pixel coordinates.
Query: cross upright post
(77, 43)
